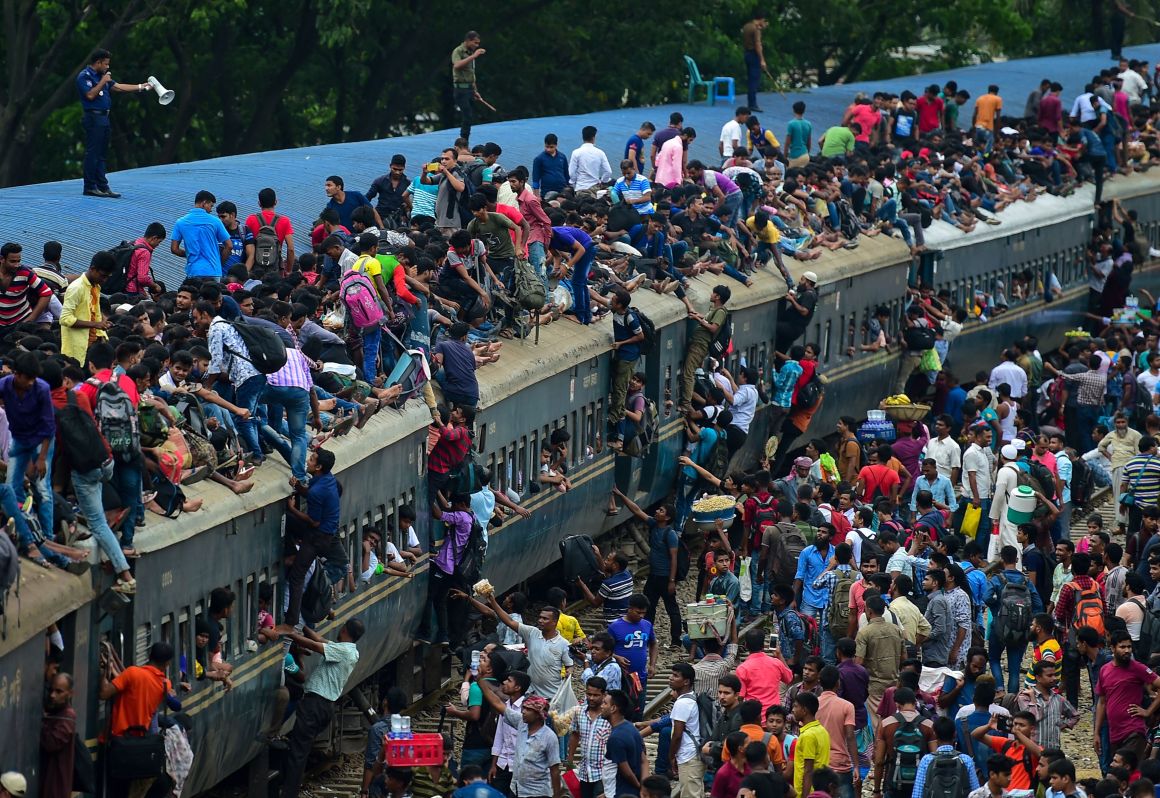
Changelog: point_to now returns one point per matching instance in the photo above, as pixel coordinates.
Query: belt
(97, 111)
(463, 85)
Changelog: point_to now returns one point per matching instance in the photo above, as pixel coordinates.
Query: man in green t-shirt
(495, 231)
(839, 140)
(706, 329)
(463, 60)
(798, 136)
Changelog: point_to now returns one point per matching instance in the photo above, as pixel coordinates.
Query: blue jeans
(96, 128)
(24, 536)
(20, 454)
(824, 637)
(752, 80)
(1109, 142)
(888, 212)
(846, 784)
(249, 395)
(758, 599)
(537, 254)
(372, 338)
(582, 303)
(295, 402)
(88, 489)
(127, 483)
(732, 205)
(1014, 661)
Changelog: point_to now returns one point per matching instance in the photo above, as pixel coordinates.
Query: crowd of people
(875, 560)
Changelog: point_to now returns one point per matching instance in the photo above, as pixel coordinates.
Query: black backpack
(267, 247)
(946, 777)
(317, 595)
(1149, 632)
(871, 548)
(811, 393)
(1082, 482)
(79, 437)
(648, 328)
(848, 220)
(919, 339)
(1015, 613)
(724, 336)
(123, 256)
(469, 567)
(580, 561)
(266, 351)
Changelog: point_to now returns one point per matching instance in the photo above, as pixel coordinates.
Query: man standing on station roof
(463, 60)
(95, 85)
(754, 57)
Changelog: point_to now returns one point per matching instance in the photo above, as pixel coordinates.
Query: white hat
(811, 276)
(1009, 452)
(1019, 444)
(1009, 131)
(14, 783)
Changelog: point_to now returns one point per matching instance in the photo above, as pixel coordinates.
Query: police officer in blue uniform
(95, 86)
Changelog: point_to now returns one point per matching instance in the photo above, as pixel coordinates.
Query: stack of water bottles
(404, 749)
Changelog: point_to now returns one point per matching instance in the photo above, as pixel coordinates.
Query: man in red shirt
(267, 201)
(930, 110)
(1051, 109)
(762, 675)
(1121, 684)
(1065, 609)
(449, 450)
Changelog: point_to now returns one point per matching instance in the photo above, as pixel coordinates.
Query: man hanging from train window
(706, 330)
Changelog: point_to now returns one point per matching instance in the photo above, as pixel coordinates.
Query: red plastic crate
(421, 749)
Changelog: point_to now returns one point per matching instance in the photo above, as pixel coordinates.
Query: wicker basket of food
(908, 412)
(711, 509)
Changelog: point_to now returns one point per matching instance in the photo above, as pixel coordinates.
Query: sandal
(125, 588)
(130, 553)
(38, 558)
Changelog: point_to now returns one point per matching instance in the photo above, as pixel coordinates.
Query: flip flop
(39, 559)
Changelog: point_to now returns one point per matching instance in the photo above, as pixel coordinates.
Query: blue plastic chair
(728, 84)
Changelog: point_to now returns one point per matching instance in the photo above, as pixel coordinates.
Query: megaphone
(164, 95)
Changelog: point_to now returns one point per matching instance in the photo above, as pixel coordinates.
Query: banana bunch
(712, 504)
(897, 399)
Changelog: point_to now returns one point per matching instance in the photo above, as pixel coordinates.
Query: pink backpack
(362, 303)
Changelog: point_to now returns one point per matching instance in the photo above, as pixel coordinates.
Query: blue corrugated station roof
(33, 214)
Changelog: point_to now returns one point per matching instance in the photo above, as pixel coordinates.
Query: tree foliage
(268, 74)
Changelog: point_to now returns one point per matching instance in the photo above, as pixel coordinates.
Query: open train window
(825, 342)
(167, 632)
(599, 425)
(142, 640)
(517, 477)
(184, 640)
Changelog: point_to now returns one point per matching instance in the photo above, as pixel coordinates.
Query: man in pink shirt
(762, 675)
(1120, 688)
(539, 231)
(1051, 109)
(139, 275)
(837, 717)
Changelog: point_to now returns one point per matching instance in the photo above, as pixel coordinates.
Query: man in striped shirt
(229, 358)
(633, 188)
(289, 392)
(1090, 387)
(17, 284)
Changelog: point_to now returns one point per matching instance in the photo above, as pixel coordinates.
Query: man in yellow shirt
(813, 745)
(567, 626)
(81, 322)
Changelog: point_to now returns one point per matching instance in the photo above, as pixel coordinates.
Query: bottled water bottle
(474, 663)
(396, 727)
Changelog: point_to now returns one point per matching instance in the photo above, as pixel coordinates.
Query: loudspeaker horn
(164, 95)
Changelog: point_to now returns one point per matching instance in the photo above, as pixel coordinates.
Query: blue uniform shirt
(811, 562)
(88, 78)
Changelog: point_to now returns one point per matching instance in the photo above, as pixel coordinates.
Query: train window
(142, 640)
(825, 341)
(250, 608)
(521, 464)
(181, 645)
(167, 637)
(481, 437)
(599, 425)
(420, 457)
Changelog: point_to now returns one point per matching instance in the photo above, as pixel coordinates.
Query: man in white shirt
(1011, 373)
(1134, 84)
(945, 451)
(744, 399)
(1006, 481)
(733, 134)
(588, 165)
(1098, 271)
(684, 746)
(977, 475)
(1085, 106)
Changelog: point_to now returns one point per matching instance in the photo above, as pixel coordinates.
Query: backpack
(1083, 480)
(527, 287)
(848, 220)
(946, 777)
(648, 328)
(764, 514)
(264, 348)
(580, 561)
(1089, 608)
(919, 339)
(122, 254)
(1149, 632)
(1014, 618)
(684, 559)
(909, 747)
(79, 437)
(317, 595)
(1041, 476)
(717, 463)
(794, 540)
(871, 548)
(470, 186)
(708, 710)
(469, 567)
(812, 645)
(646, 431)
(117, 420)
(9, 578)
(810, 394)
(838, 613)
(723, 339)
(267, 247)
(361, 301)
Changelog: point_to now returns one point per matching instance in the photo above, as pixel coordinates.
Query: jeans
(1086, 417)
(96, 128)
(759, 598)
(20, 454)
(464, 96)
(752, 79)
(127, 483)
(846, 784)
(23, 533)
(537, 254)
(582, 303)
(732, 205)
(249, 395)
(825, 638)
(88, 489)
(1014, 661)
(372, 338)
(296, 404)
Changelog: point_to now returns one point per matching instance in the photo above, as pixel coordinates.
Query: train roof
(36, 213)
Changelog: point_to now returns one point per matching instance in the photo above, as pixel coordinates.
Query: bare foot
(193, 505)
(242, 487)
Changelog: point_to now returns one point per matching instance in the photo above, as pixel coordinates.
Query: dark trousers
(752, 80)
(439, 584)
(1117, 34)
(314, 714)
(656, 590)
(503, 781)
(591, 789)
(1071, 669)
(96, 128)
(463, 100)
(1097, 162)
(311, 545)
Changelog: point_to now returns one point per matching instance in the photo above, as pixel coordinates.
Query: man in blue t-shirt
(634, 147)
(627, 337)
(664, 546)
(345, 201)
(625, 746)
(201, 238)
(636, 643)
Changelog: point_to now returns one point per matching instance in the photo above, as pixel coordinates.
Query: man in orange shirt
(137, 693)
(751, 725)
(1019, 746)
(986, 118)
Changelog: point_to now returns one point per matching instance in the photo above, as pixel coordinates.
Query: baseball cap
(811, 276)
(14, 783)
(1010, 452)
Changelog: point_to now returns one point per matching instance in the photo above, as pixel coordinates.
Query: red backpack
(841, 523)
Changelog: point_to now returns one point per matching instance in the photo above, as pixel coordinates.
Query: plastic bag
(971, 517)
(929, 361)
(743, 578)
(563, 707)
